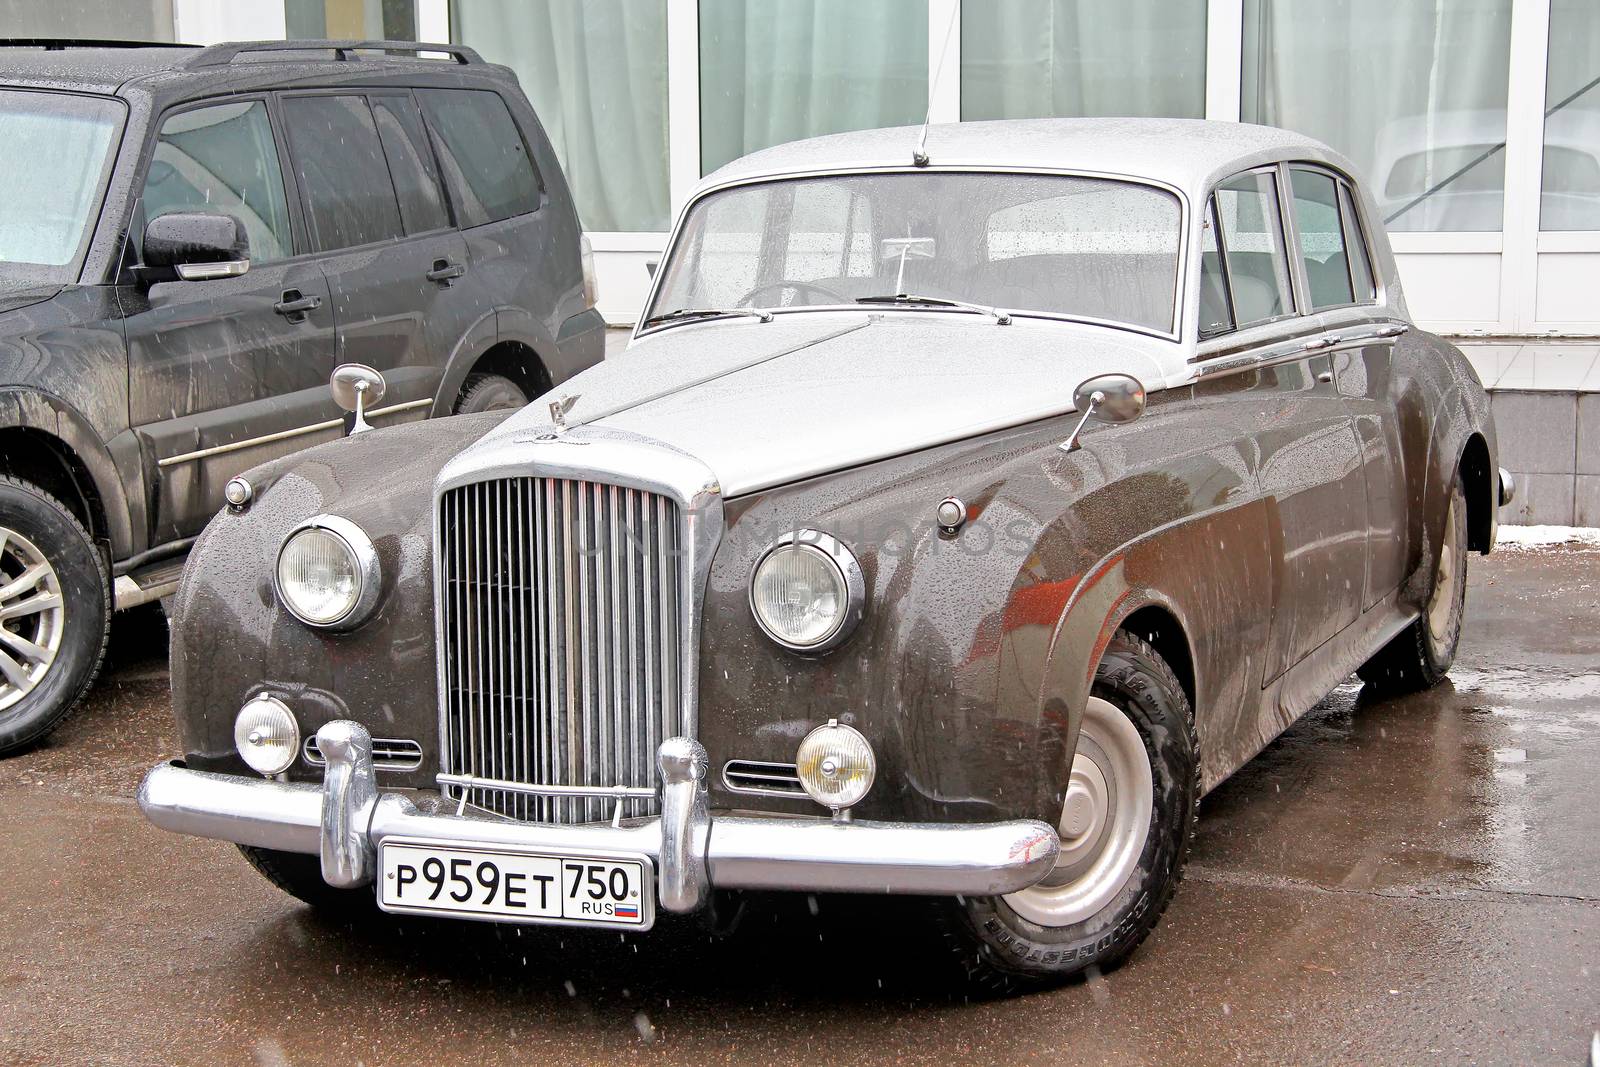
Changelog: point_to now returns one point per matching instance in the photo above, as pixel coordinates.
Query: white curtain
(596, 72)
(1040, 58)
(774, 72)
(1414, 92)
(1572, 127)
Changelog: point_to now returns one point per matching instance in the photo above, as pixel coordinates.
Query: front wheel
(1126, 822)
(55, 609)
(300, 876)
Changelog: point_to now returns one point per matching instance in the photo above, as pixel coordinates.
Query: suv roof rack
(61, 44)
(220, 55)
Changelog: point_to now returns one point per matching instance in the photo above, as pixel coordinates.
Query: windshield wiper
(705, 313)
(1001, 317)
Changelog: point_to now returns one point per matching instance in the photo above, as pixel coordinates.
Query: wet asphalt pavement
(1410, 881)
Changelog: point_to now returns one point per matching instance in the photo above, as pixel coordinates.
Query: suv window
(483, 154)
(343, 174)
(1251, 236)
(223, 158)
(411, 165)
(1320, 231)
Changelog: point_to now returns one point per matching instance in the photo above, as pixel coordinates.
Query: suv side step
(151, 582)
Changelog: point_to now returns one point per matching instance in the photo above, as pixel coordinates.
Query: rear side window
(1360, 263)
(416, 179)
(1321, 232)
(223, 158)
(1216, 313)
(343, 174)
(483, 154)
(1251, 229)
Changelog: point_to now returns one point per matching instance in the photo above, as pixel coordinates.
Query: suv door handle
(445, 272)
(294, 306)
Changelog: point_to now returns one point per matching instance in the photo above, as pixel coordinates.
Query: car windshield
(57, 154)
(1085, 248)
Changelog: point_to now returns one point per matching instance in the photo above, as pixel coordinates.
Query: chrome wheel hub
(1105, 820)
(32, 616)
(1442, 604)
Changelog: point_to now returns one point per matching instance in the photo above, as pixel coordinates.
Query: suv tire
(489, 392)
(1117, 875)
(55, 611)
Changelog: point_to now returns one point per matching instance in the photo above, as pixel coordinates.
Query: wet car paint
(1392, 881)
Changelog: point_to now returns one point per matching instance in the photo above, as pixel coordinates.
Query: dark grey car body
(134, 403)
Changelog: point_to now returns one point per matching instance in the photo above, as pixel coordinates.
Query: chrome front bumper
(345, 819)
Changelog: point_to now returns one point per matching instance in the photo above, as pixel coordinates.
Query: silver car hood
(765, 404)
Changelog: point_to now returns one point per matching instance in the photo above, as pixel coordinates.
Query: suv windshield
(57, 153)
(1083, 248)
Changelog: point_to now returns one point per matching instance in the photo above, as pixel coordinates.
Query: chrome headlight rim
(844, 562)
(368, 571)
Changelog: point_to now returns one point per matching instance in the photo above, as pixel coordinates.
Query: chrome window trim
(1180, 273)
(855, 585)
(368, 570)
(612, 457)
(1322, 339)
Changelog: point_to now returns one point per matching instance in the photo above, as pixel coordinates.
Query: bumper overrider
(346, 819)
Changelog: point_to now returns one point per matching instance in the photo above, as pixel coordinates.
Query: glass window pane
(223, 158)
(1571, 198)
(1360, 261)
(351, 20)
(596, 73)
(1039, 58)
(772, 72)
(1252, 240)
(57, 154)
(344, 179)
(1215, 314)
(485, 159)
(1414, 93)
(1321, 234)
(416, 179)
(1083, 247)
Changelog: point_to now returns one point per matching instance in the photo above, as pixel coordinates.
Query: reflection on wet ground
(1393, 881)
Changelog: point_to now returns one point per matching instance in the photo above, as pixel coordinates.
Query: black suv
(190, 241)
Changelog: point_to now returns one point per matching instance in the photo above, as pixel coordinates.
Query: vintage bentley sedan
(968, 503)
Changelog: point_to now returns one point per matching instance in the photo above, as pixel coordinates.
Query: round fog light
(836, 765)
(266, 735)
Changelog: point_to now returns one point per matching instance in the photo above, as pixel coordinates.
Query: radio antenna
(919, 154)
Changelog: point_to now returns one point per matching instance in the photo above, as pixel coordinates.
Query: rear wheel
(489, 392)
(1125, 825)
(55, 610)
(300, 876)
(1423, 653)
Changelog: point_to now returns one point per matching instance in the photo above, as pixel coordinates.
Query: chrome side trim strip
(284, 435)
(1275, 353)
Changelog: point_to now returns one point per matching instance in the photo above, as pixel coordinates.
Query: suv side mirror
(195, 246)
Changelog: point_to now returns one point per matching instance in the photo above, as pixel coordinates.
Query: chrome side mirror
(1108, 398)
(356, 387)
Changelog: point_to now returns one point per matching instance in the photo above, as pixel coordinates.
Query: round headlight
(836, 765)
(807, 592)
(266, 735)
(327, 573)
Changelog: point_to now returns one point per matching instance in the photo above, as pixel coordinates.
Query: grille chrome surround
(561, 606)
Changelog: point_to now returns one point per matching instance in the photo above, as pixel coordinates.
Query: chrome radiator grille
(559, 616)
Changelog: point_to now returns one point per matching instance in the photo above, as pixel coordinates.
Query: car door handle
(1320, 342)
(445, 271)
(294, 305)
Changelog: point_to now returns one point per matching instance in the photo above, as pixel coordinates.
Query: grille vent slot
(762, 779)
(388, 753)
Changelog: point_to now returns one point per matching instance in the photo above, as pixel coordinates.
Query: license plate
(512, 885)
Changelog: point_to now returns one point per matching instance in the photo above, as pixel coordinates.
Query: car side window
(1216, 311)
(483, 154)
(1360, 260)
(1251, 232)
(411, 163)
(344, 177)
(223, 158)
(1319, 228)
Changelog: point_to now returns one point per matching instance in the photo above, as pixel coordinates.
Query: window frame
(1290, 243)
(1344, 192)
(138, 217)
